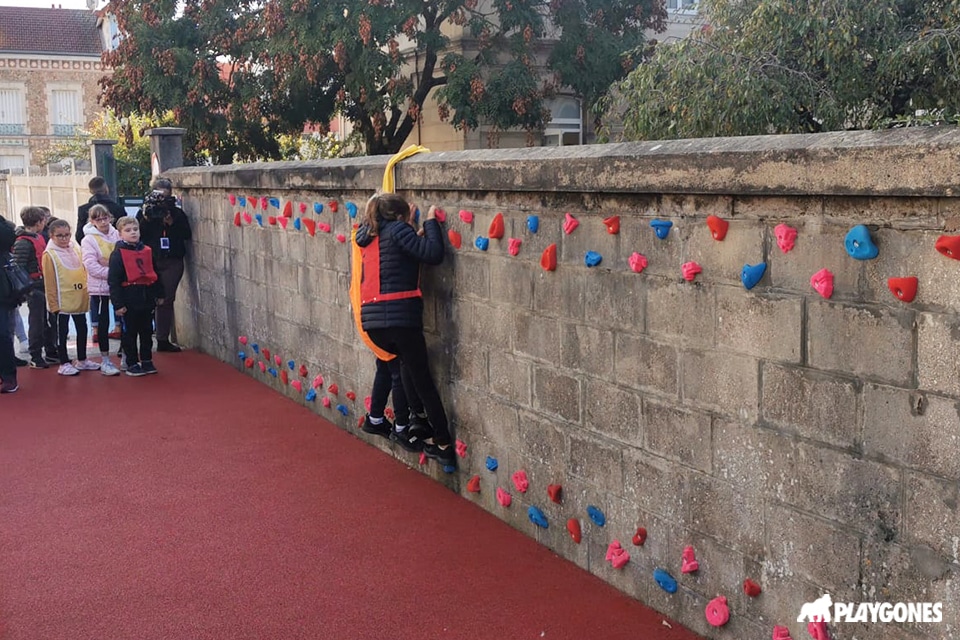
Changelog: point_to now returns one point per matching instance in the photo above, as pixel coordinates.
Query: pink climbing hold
(569, 223)
(786, 237)
(503, 497)
(303, 207)
(317, 382)
(232, 198)
(520, 481)
(264, 201)
(388, 412)
(513, 246)
(296, 384)
(423, 458)
(242, 339)
(461, 448)
(351, 396)
(341, 237)
(441, 215)
(326, 402)
(637, 262)
(690, 270)
(277, 361)
(466, 216)
(266, 354)
(367, 403)
(822, 282)
(690, 563)
(617, 556)
(324, 226)
(263, 367)
(781, 633)
(247, 218)
(283, 222)
(818, 630)
(717, 611)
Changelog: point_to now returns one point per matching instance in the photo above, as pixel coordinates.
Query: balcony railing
(12, 129)
(66, 130)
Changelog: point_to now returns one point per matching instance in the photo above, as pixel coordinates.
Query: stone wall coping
(921, 161)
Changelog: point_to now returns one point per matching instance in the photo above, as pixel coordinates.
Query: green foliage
(239, 75)
(318, 146)
(797, 66)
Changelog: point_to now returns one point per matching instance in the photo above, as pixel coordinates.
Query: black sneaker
(20, 362)
(51, 360)
(406, 440)
(419, 427)
(136, 370)
(147, 367)
(446, 457)
(39, 363)
(384, 429)
(168, 347)
(9, 387)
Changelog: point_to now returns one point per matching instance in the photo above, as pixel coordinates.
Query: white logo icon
(817, 610)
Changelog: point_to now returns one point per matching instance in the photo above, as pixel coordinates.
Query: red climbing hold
(440, 214)
(751, 588)
(520, 481)
(905, 289)
(303, 371)
(284, 378)
(513, 246)
(388, 412)
(266, 353)
(503, 497)
(690, 270)
(341, 237)
(326, 402)
(264, 201)
(351, 396)
(296, 384)
(466, 216)
(461, 448)
(334, 205)
(263, 367)
(247, 218)
(367, 403)
(473, 484)
(317, 382)
(555, 491)
(277, 361)
(496, 227)
(569, 223)
(310, 225)
(254, 202)
(236, 219)
(717, 611)
(612, 224)
(617, 556)
(718, 227)
(549, 258)
(288, 209)
(690, 563)
(272, 220)
(242, 340)
(781, 633)
(360, 421)
(334, 389)
(573, 526)
(818, 630)
(949, 246)
(455, 239)
(283, 222)
(248, 363)
(640, 537)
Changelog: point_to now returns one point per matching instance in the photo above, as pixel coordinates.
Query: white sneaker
(107, 368)
(67, 369)
(88, 365)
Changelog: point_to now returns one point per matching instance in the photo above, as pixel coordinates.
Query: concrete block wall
(811, 445)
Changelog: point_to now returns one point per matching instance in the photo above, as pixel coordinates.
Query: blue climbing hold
(596, 515)
(259, 218)
(416, 215)
(317, 208)
(751, 274)
(449, 468)
(352, 209)
(859, 244)
(592, 258)
(492, 463)
(242, 355)
(342, 408)
(661, 227)
(665, 580)
(275, 203)
(272, 372)
(291, 364)
(533, 223)
(296, 224)
(482, 243)
(311, 395)
(536, 517)
(255, 347)
(242, 201)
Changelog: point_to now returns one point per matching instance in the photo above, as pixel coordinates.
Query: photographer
(165, 228)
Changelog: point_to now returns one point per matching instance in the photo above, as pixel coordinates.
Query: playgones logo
(824, 609)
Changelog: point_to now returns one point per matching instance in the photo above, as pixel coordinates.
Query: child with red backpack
(28, 253)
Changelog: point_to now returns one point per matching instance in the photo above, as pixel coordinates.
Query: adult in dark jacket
(391, 310)
(8, 306)
(165, 228)
(100, 194)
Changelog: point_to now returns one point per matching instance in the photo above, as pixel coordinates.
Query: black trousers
(411, 350)
(41, 334)
(137, 324)
(63, 327)
(392, 376)
(100, 309)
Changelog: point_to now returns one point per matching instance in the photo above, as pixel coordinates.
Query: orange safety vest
(370, 278)
(39, 246)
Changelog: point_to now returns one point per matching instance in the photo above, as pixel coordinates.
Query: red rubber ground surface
(198, 504)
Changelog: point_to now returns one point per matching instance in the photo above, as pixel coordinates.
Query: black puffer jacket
(401, 252)
(7, 238)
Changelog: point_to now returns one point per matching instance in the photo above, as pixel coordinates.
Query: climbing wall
(722, 376)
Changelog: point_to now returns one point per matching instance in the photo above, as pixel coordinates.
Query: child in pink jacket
(99, 241)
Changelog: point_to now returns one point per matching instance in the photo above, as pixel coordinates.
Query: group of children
(109, 264)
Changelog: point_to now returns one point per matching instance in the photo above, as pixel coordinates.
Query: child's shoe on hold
(136, 370)
(383, 429)
(419, 427)
(147, 367)
(67, 369)
(107, 368)
(447, 457)
(88, 365)
(406, 440)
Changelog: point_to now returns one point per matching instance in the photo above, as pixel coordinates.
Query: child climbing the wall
(391, 311)
(135, 291)
(408, 410)
(99, 240)
(65, 283)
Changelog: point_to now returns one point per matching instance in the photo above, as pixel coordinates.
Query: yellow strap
(356, 259)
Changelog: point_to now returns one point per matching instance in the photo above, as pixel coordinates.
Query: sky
(45, 4)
